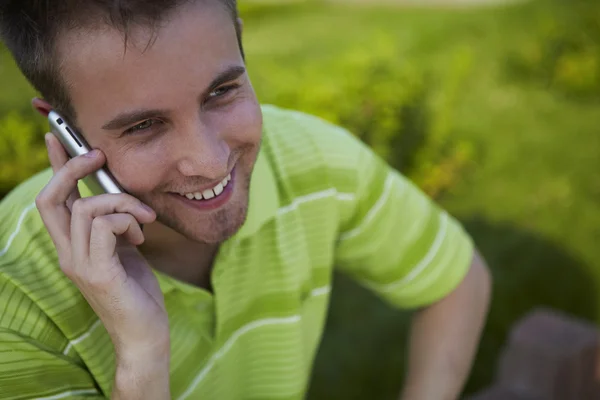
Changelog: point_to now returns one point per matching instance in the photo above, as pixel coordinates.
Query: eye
(222, 90)
(142, 126)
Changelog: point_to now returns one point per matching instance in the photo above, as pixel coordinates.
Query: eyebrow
(128, 118)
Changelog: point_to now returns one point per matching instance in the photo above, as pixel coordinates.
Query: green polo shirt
(319, 199)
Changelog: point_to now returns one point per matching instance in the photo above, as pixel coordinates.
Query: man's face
(174, 118)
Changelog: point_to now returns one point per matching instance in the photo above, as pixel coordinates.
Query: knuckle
(100, 223)
(72, 169)
(117, 200)
(137, 202)
(129, 219)
(42, 198)
(80, 206)
(130, 224)
(68, 270)
(128, 201)
(100, 279)
(69, 168)
(66, 266)
(120, 217)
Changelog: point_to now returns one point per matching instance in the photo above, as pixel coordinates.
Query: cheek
(243, 123)
(137, 171)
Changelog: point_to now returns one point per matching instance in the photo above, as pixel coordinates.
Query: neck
(177, 256)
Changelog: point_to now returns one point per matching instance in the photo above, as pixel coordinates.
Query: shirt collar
(263, 203)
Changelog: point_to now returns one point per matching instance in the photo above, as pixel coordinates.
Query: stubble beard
(220, 225)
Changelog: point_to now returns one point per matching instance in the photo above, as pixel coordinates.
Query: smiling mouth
(211, 198)
(211, 193)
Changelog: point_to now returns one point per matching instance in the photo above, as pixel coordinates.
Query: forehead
(196, 42)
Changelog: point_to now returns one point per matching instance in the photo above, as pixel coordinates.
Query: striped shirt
(319, 199)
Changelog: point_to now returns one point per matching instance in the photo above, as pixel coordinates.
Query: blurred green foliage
(564, 50)
(403, 112)
(21, 153)
(493, 111)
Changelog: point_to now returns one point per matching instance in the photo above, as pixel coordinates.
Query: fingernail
(92, 154)
(147, 208)
(47, 139)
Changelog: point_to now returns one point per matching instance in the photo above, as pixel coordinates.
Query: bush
(564, 52)
(22, 149)
(404, 113)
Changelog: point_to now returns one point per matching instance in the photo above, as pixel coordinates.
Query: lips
(208, 194)
(208, 199)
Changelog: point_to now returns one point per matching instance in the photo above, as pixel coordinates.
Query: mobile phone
(98, 182)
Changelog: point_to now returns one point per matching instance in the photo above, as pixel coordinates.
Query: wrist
(133, 351)
(142, 381)
(142, 374)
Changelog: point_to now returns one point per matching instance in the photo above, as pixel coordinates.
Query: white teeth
(218, 189)
(208, 194)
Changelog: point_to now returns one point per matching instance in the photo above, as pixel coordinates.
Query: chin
(214, 230)
(214, 237)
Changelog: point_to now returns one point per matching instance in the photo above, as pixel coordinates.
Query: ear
(42, 106)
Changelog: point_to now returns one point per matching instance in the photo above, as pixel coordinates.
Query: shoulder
(37, 300)
(291, 130)
(30, 276)
(19, 215)
(301, 146)
(25, 246)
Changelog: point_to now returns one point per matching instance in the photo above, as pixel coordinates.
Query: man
(245, 209)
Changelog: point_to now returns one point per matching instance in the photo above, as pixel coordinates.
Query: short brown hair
(29, 29)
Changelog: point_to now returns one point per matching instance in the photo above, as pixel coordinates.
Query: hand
(96, 241)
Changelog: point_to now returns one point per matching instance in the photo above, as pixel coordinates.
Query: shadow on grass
(363, 349)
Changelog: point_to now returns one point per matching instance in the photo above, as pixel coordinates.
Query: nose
(202, 152)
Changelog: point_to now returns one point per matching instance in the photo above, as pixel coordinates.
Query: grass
(530, 200)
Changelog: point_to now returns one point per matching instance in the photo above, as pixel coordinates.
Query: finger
(57, 221)
(66, 177)
(87, 209)
(103, 237)
(52, 199)
(58, 158)
(102, 274)
(56, 152)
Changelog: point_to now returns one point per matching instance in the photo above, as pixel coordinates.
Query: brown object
(549, 356)
(501, 393)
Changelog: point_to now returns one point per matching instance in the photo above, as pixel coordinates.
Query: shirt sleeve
(394, 239)
(28, 369)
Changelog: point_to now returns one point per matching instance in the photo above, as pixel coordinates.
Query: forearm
(143, 378)
(444, 339)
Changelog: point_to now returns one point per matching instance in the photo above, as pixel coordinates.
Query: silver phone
(100, 181)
